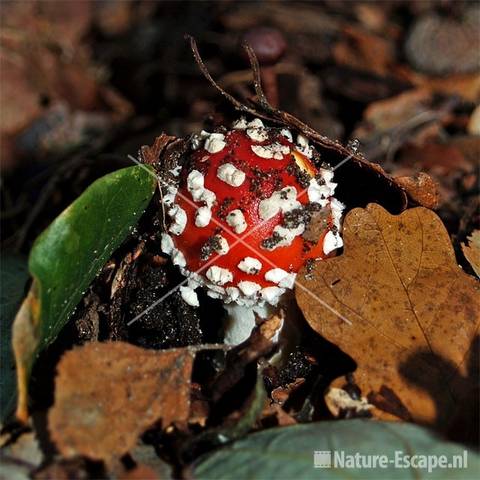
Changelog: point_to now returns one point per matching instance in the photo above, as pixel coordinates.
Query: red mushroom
(237, 221)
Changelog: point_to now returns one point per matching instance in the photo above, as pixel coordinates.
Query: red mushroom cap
(252, 182)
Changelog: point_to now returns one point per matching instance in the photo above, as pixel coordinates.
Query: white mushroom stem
(241, 320)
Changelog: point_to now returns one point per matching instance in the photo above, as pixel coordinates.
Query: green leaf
(288, 453)
(13, 278)
(68, 255)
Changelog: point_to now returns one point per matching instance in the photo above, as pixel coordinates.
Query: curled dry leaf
(108, 394)
(472, 251)
(412, 313)
(421, 189)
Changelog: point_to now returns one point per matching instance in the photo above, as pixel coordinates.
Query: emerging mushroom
(241, 214)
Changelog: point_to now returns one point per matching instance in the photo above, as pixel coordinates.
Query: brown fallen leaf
(421, 189)
(410, 314)
(466, 85)
(388, 114)
(62, 469)
(469, 147)
(412, 117)
(108, 394)
(363, 50)
(445, 163)
(472, 251)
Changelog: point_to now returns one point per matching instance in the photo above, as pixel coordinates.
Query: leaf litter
(407, 121)
(412, 310)
(108, 394)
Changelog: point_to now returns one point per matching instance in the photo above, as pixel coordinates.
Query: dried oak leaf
(472, 251)
(410, 315)
(421, 188)
(108, 394)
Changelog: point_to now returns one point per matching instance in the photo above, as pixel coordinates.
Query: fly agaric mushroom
(239, 218)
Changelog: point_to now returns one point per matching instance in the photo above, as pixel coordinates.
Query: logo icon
(322, 459)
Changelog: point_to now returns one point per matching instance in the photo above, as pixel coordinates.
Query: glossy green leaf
(288, 453)
(13, 279)
(68, 255)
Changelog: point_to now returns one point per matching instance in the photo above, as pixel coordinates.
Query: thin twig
(264, 109)
(236, 103)
(257, 79)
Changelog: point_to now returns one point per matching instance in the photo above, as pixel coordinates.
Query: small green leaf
(288, 453)
(68, 255)
(13, 279)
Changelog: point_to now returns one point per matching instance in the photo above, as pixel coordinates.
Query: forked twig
(257, 79)
(261, 108)
(196, 54)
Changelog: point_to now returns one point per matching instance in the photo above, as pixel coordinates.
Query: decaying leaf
(108, 394)
(472, 251)
(421, 189)
(410, 315)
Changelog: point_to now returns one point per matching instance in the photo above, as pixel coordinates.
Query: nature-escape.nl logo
(400, 460)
